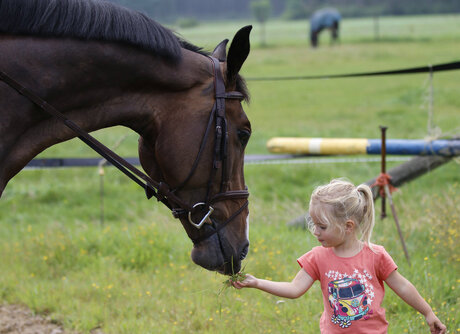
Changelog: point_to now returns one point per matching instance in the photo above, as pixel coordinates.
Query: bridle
(217, 118)
(160, 190)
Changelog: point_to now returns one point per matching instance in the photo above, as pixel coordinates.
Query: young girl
(350, 269)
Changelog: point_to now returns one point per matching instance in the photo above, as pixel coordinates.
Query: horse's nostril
(244, 253)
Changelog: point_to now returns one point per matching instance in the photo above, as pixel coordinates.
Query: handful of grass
(234, 277)
(238, 277)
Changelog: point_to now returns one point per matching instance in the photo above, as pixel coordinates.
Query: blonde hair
(335, 203)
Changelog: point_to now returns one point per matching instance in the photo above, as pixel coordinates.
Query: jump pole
(341, 146)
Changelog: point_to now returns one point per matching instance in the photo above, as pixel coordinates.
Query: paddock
(133, 272)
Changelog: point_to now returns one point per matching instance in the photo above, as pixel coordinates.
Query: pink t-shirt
(352, 288)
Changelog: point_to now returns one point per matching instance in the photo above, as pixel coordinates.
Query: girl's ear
(350, 226)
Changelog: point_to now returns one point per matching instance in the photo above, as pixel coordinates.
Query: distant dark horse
(102, 65)
(327, 18)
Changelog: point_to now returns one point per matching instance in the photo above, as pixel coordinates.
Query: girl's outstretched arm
(299, 285)
(407, 291)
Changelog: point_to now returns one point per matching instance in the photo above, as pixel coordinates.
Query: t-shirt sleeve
(386, 264)
(309, 264)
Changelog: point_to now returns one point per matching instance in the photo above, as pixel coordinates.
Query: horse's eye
(243, 136)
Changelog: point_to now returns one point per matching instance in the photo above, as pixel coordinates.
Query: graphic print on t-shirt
(350, 296)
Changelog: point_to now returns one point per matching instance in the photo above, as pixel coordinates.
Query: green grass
(133, 273)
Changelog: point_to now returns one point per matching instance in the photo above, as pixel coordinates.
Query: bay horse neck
(96, 84)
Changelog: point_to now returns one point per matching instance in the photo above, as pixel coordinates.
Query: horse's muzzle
(213, 255)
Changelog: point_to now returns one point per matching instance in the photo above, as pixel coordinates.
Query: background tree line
(170, 11)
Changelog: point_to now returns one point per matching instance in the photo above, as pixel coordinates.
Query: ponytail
(368, 220)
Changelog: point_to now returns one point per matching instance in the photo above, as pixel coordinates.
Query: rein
(160, 190)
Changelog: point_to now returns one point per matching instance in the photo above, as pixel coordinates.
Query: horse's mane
(94, 20)
(90, 20)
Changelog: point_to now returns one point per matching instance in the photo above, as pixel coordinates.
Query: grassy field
(133, 273)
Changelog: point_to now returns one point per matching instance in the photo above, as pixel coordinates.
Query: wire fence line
(274, 159)
(412, 70)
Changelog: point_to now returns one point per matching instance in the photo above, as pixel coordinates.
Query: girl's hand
(248, 282)
(436, 326)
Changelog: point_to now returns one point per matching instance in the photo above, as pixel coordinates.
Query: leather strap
(151, 186)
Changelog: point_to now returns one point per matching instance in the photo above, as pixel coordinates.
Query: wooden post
(385, 186)
(383, 130)
(101, 189)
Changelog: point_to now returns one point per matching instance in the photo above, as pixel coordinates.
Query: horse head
(185, 104)
(198, 155)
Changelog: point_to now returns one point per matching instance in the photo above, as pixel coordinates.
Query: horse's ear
(238, 52)
(220, 52)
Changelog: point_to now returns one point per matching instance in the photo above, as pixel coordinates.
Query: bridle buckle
(205, 219)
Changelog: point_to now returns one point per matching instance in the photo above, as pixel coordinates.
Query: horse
(98, 65)
(327, 18)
